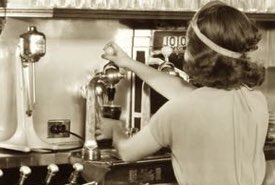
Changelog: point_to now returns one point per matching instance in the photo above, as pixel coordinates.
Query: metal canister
(32, 45)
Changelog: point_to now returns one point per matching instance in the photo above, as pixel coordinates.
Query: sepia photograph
(137, 92)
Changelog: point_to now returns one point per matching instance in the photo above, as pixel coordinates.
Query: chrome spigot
(52, 170)
(102, 85)
(112, 74)
(25, 171)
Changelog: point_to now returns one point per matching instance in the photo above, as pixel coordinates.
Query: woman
(216, 132)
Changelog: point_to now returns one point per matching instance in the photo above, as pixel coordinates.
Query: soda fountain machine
(100, 96)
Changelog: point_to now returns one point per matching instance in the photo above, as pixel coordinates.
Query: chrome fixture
(167, 66)
(100, 94)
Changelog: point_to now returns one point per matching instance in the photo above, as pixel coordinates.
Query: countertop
(13, 159)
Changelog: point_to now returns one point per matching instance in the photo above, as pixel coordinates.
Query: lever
(75, 174)
(52, 170)
(166, 52)
(167, 66)
(1, 173)
(25, 171)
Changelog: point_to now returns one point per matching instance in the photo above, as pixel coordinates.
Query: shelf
(113, 14)
(122, 14)
(14, 159)
(24, 12)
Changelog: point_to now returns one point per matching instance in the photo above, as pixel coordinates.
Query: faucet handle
(166, 52)
(25, 171)
(75, 174)
(1, 173)
(52, 170)
(78, 167)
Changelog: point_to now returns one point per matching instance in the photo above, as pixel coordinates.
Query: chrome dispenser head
(112, 74)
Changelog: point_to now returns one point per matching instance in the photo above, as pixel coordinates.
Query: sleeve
(161, 124)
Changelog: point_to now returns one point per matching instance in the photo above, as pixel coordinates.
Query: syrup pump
(32, 46)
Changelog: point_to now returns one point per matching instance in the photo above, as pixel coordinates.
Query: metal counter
(13, 159)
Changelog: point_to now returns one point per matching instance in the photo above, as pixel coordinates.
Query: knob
(1, 173)
(25, 171)
(78, 167)
(166, 52)
(75, 174)
(52, 170)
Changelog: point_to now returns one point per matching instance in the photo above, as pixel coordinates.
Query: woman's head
(219, 37)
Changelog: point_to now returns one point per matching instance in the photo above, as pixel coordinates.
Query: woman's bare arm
(167, 85)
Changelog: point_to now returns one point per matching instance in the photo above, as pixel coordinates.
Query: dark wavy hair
(230, 29)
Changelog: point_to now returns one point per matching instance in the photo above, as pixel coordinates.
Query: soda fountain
(100, 86)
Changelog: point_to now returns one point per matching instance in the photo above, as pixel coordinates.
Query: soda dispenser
(101, 85)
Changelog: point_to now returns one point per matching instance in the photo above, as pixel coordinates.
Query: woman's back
(216, 136)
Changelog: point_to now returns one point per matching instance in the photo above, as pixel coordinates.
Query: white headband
(211, 44)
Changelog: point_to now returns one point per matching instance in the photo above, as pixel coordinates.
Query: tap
(101, 85)
(1, 173)
(25, 171)
(167, 66)
(78, 168)
(52, 170)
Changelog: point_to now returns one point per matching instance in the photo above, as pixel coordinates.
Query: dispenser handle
(52, 170)
(75, 174)
(25, 171)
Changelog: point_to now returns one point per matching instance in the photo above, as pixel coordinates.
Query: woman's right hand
(115, 54)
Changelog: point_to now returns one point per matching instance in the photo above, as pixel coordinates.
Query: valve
(52, 170)
(25, 171)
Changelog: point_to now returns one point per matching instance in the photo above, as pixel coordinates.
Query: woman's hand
(106, 127)
(114, 53)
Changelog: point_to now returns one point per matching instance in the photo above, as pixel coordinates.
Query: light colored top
(216, 136)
